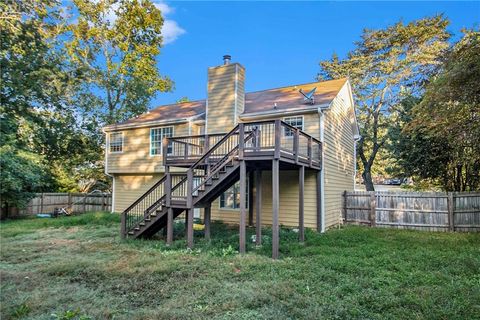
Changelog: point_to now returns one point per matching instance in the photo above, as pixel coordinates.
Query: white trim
(150, 140)
(107, 144)
(283, 112)
(123, 142)
(165, 122)
(291, 117)
(322, 172)
(113, 195)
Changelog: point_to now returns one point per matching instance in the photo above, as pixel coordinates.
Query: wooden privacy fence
(80, 202)
(435, 211)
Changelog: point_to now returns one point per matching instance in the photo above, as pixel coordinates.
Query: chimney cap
(226, 59)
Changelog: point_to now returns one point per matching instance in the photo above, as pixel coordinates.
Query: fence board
(82, 202)
(414, 210)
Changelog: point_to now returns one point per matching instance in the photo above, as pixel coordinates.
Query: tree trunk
(367, 179)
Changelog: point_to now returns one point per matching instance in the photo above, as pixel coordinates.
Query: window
(116, 142)
(296, 122)
(156, 140)
(230, 199)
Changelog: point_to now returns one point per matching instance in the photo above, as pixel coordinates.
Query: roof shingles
(258, 101)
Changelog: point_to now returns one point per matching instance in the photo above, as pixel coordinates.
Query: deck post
(301, 191)
(275, 207)
(168, 187)
(295, 144)
(243, 211)
(164, 150)
(278, 137)
(258, 207)
(250, 198)
(241, 140)
(207, 219)
(319, 201)
(169, 226)
(189, 214)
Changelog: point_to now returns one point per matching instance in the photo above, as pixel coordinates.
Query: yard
(79, 268)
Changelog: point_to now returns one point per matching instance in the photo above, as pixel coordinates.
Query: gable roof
(275, 100)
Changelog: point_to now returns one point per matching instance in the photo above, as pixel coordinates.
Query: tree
(33, 82)
(116, 44)
(440, 140)
(386, 66)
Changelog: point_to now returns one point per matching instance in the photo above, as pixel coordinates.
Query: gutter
(145, 124)
(283, 112)
(322, 169)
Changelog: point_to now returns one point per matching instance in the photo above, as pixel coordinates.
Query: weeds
(79, 268)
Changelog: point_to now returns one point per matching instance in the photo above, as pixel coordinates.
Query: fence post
(103, 202)
(41, 204)
(373, 207)
(84, 203)
(451, 209)
(344, 209)
(69, 201)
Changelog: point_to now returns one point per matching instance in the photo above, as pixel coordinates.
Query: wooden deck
(215, 163)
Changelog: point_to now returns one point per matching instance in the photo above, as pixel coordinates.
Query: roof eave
(284, 112)
(117, 127)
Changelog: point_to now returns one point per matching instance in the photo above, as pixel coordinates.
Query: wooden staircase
(212, 170)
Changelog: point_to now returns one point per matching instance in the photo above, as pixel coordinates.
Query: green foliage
(349, 273)
(23, 174)
(440, 136)
(116, 43)
(386, 66)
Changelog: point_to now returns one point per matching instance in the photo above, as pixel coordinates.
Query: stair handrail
(125, 212)
(224, 160)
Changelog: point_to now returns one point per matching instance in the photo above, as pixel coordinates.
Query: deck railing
(271, 136)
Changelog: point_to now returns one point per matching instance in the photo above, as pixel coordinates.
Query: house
(279, 156)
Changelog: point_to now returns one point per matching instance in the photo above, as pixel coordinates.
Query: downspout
(322, 172)
(107, 141)
(356, 138)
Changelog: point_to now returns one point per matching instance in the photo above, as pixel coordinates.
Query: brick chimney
(225, 96)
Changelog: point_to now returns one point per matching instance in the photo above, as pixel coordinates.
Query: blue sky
(279, 43)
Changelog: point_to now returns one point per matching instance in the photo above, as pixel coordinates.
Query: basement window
(156, 140)
(296, 122)
(230, 199)
(116, 142)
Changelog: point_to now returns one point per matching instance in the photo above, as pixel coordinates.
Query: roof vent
(226, 59)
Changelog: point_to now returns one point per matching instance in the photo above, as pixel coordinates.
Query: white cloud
(171, 31)
(162, 6)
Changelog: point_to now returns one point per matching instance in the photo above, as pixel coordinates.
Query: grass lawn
(79, 268)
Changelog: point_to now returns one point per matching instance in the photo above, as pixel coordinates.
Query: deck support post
(301, 192)
(319, 201)
(243, 211)
(258, 207)
(250, 198)
(169, 226)
(189, 215)
(207, 219)
(275, 207)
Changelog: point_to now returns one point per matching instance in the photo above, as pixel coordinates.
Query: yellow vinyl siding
(338, 156)
(288, 215)
(128, 188)
(225, 95)
(136, 157)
